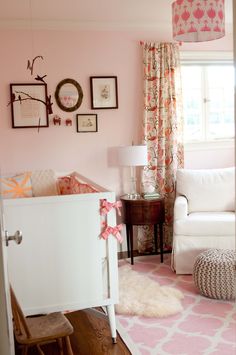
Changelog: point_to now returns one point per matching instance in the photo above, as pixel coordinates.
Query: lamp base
(134, 196)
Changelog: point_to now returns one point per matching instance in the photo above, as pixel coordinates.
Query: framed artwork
(104, 93)
(86, 123)
(28, 105)
(69, 95)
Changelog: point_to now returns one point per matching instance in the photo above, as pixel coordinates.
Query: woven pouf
(214, 274)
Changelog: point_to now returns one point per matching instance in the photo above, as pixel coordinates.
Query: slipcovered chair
(204, 215)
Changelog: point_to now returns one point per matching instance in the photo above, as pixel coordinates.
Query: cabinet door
(63, 264)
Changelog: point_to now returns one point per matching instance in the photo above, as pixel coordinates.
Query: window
(208, 101)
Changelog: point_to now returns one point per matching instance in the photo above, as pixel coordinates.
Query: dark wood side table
(143, 212)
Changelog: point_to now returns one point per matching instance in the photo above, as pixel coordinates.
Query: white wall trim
(205, 56)
(206, 146)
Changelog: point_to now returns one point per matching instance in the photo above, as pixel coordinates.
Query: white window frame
(207, 57)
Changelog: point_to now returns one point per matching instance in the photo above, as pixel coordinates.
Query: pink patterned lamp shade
(198, 20)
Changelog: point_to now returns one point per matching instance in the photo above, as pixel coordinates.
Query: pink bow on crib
(113, 230)
(107, 206)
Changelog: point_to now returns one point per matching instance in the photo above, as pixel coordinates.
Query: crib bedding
(16, 186)
(44, 183)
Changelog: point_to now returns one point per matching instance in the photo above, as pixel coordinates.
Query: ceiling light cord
(31, 28)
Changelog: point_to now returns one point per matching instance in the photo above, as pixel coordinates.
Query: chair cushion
(207, 189)
(206, 223)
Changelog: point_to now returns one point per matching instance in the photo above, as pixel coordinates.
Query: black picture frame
(68, 95)
(86, 123)
(28, 105)
(104, 92)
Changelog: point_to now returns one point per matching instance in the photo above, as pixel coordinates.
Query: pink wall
(77, 55)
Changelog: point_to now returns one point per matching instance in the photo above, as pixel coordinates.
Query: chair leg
(60, 345)
(40, 350)
(68, 346)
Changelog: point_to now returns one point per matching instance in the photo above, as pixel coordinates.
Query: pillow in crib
(16, 186)
(70, 185)
(85, 188)
(44, 183)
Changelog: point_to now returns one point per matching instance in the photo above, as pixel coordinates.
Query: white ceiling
(94, 14)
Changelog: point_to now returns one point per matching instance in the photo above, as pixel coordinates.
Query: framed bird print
(104, 94)
(29, 105)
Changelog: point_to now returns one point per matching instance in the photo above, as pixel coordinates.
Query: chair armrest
(180, 207)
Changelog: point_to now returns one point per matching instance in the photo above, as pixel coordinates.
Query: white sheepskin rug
(139, 295)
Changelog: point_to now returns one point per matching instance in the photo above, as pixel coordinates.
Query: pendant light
(198, 20)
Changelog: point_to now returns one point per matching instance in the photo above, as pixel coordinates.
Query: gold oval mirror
(68, 95)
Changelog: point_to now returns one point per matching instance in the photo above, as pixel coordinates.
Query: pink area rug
(205, 326)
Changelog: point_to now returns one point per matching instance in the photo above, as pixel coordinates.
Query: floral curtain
(163, 130)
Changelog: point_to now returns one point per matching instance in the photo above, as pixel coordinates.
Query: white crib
(62, 263)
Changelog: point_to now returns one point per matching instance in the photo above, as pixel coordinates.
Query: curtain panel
(162, 130)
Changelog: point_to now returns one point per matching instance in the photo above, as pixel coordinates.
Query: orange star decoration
(16, 186)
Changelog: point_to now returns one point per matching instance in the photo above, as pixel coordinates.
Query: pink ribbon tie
(107, 206)
(114, 231)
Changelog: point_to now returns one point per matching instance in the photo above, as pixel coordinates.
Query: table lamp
(132, 156)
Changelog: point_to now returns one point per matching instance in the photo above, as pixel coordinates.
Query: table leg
(128, 238)
(155, 237)
(131, 244)
(161, 240)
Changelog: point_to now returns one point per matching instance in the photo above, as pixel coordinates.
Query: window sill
(213, 145)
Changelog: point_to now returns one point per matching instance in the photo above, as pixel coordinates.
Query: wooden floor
(91, 336)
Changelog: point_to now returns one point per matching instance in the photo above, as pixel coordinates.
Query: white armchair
(204, 214)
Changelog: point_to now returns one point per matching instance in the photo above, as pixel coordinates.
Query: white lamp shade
(133, 155)
(198, 21)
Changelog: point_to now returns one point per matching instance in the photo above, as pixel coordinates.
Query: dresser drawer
(141, 212)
